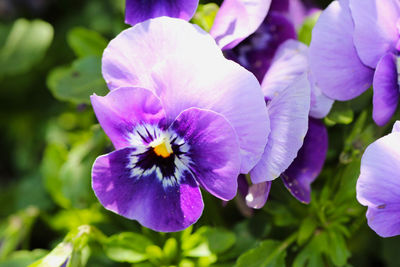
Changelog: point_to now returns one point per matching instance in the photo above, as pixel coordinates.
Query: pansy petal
(396, 127)
(386, 90)
(122, 109)
(237, 19)
(257, 51)
(288, 111)
(334, 61)
(258, 195)
(289, 63)
(379, 183)
(138, 10)
(144, 198)
(320, 103)
(308, 163)
(375, 28)
(214, 150)
(183, 65)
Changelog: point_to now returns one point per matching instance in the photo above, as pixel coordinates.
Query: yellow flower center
(163, 149)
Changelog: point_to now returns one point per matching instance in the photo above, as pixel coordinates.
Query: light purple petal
(214, 150)
(320, 103)
(375, 28)
(396, 127)
(138, 10)
(288, 65)
(183, 65)
(378, 186)
(386, 89)
(258, 195)
(334, 61)
(237, 19)
(308, 163)
(257, 51)
(144, 198)
(122, 109)
(288, 111)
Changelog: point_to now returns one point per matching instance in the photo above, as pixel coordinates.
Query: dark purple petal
(308, 163)
(375, 28)
(145, 198)
(122, 109)
(214, 150)
(379, 183)
(258, 195)
(257, 51)
(139, 10)
(334, 61)
(237, 19)
(280, 5)
(386, 89)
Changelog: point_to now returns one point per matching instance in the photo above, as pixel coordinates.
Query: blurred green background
(50, 52)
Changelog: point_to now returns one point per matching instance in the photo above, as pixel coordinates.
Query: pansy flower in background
(138, 10)
(180, 116)
(356, 44)
(378, 186)
(288, 87)
(254, 46)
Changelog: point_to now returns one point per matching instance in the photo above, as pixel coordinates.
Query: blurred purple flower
(254, 46)
(138, 10)
(356, 44)
(378, 186)
(180, 115)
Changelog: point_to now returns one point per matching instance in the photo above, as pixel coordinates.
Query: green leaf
(25, 46)
(16, 229)
(268, 254)
(337, 250)
(78, 82)
(341, 113)
(56, 257)
(305, 31)
(307, 228)
(170, 249)
(86, 42)
(219, 240)
(22, 258)
(127, 247)
(205, 15)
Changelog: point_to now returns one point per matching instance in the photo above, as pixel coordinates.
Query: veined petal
(144, 198)
(138, 10)
(237, 19)
(258, 195)
(214, 150)
(375, 28)
(122, 109)
(386, 89)
(379, 183)
(289, 63)
(185, 68)
(308, 163)
(288, 111)
(334, 61)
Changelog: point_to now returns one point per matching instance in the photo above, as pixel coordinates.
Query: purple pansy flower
(298, 163)
(180, 116)
(356, 44)
(138, 10)
(378, 186)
